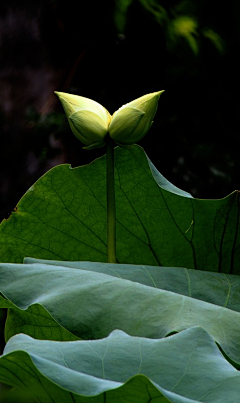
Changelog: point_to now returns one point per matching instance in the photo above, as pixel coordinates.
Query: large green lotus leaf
(181, 367)
(218, 288)
(63, 217)
(91, 305)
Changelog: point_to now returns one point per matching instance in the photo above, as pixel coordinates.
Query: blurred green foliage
(178, 22)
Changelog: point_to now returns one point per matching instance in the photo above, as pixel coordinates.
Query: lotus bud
(88, 120)
(131, 122)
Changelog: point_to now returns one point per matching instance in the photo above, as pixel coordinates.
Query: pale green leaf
(91, 305)
(186, 367)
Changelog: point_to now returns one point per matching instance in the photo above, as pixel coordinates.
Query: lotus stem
(111, 207)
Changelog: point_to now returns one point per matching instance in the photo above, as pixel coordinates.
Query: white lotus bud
(131, 122)
(88, 120)
(91, 122)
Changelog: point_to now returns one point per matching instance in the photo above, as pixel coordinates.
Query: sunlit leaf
(90, 305)
(122, 368)
(217, 288)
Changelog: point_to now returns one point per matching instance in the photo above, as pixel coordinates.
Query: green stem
(111, 208)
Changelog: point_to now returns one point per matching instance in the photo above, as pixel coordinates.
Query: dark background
(114, 52)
